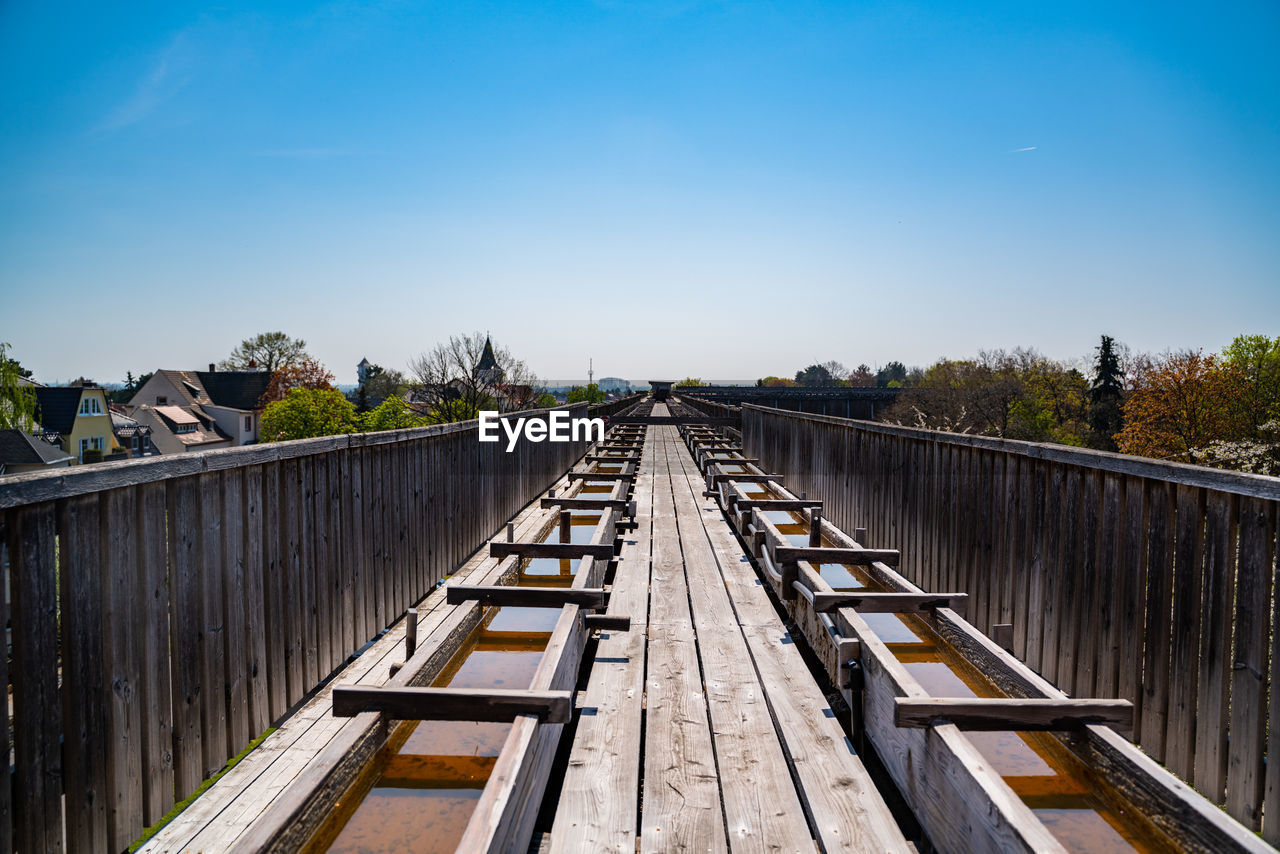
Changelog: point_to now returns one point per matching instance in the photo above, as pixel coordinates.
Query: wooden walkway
(706, 732)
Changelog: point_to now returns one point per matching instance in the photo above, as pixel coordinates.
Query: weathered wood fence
(1122, 577)
(164, 612)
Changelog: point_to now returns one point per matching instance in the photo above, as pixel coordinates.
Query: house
(177, 429)
(229, 398)
(131, 434)
(21, 452)
(79, 417)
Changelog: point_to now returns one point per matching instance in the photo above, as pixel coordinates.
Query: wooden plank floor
(705, 731)
(220, 816)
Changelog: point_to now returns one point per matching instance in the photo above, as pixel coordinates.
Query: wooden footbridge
(665, 641)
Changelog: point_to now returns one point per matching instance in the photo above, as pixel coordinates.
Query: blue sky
(672, 188)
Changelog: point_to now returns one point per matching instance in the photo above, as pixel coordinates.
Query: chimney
(212, 367)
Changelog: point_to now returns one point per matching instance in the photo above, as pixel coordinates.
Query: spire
(487, 360)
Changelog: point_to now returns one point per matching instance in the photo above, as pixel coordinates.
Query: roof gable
(56, 407)
(234, 389)
(17, 448)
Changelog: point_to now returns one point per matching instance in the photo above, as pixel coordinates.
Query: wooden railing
(615, 407)
(713, 408)
(166, 611)
(1122, 576)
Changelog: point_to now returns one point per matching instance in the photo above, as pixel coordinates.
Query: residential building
(131, 434)
(21, 452)
(229, 398)
(79, 417)
(178, 429)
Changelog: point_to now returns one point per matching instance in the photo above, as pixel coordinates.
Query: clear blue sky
(673, 188)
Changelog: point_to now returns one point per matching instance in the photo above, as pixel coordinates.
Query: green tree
(458, 409)
(1106, 396)
(394, 413)
(826, 374)
(379, 384)
(129, 387)
(1256, 358)
(17, 401)
(691, 382)
(546, 400)
(591, 394)
(891, 373)
(268, 351)
(305, 413)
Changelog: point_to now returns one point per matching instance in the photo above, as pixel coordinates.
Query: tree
(17, 400)
(305, 413)
(690, 382)
(1015, 395)
(894, 372)
(591, 394)
(394, 413)
(1106, 395)
(129, 387)
(546, 400)
(13, 364)
(1181, 404)
(306, 372)
(379, 384)
(775, 382)
(825, 374)
(862, 377)
(1256, 358)
(267, 351)
(451, 372)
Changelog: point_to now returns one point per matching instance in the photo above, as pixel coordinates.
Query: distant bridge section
(841, 401)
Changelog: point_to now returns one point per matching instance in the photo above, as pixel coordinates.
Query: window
(186, 427)
(161, 400)
(90, 406)
(248, 424)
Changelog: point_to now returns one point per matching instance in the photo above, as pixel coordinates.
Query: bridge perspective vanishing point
(721, 628)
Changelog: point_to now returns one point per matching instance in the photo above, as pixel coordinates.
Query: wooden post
(815, 527)
(860, 534)
(410, 632)
(566, 526)
(511, 530)
(1002, 634)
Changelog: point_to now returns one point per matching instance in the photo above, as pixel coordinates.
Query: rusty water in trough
(1081, 811)
(420, 790)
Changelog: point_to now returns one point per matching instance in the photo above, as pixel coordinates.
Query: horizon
(895, 182)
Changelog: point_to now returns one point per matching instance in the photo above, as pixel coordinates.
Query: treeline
(1219, 409)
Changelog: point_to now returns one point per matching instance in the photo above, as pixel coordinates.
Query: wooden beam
(823, 554)
(608, 622)
(887, 603)
(607, 458)
(585, 503)
(601, 475)
(1011, 714)
(773, 503)
(600, 551)
(526, 597)
(746, 478)
(452, 704)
